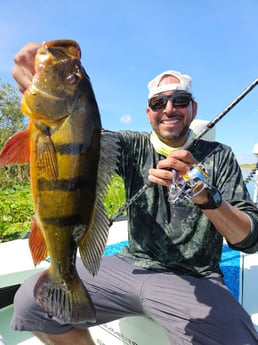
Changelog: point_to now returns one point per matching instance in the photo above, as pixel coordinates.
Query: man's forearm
(231, 223)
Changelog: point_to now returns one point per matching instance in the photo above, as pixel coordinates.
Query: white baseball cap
(184, 84)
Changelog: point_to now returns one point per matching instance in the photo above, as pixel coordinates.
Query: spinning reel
(189, 185)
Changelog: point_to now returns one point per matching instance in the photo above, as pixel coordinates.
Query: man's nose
(170, 106)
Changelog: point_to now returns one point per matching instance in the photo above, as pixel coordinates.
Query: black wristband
(214, 199)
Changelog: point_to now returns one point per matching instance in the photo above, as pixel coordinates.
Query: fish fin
(46, 159)
(16, 150)
(68, 301)
(37, 244)
(93, 242)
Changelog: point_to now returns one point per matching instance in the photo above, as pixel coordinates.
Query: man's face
(171, 124)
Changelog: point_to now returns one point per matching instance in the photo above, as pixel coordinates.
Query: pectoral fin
(46, 160)
(16, 150)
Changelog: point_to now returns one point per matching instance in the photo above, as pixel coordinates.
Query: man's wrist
(214, 199)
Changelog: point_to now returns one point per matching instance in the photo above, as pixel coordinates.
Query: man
(170, 269)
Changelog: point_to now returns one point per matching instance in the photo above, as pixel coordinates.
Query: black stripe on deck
(7, 294)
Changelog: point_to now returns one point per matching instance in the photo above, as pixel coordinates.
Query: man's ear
(195, 108)
(148, 113)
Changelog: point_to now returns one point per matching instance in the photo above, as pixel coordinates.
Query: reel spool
(189, 185)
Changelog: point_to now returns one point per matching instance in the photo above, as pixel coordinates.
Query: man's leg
(197, 311)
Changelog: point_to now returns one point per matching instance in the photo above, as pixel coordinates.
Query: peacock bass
(71, 160)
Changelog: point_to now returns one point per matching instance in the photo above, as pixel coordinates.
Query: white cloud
(126, 119)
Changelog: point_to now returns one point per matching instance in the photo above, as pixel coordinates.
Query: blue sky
(126, 43)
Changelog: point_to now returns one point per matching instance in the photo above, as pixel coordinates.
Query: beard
(171, 136)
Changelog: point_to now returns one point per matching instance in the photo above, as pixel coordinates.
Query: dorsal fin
(92, 244)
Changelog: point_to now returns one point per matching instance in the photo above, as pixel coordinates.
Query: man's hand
(180, 161)
(23, 69)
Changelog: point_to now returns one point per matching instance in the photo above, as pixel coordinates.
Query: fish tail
(67, 301)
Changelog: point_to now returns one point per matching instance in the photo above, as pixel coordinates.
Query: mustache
(171, 116)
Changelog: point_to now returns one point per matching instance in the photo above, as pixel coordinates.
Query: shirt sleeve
(250, 243)
(229, 180)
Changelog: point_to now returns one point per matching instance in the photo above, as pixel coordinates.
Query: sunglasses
(179, 100)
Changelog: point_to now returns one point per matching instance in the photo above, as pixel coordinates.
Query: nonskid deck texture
(241, 271)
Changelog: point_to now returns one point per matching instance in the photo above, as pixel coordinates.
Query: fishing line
(190, 146)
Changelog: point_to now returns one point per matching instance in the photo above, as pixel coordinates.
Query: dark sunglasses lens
(181, 101)
(158, 103)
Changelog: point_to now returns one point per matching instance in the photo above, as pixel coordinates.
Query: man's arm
(232, 223)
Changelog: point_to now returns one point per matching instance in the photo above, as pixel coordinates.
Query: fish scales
(71, 162)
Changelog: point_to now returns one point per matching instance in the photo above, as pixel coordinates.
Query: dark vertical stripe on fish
(71, 149)
(69, 185)
(72, 220)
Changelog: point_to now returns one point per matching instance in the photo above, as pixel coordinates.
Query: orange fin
(68, 301)
(37, 243)
(16, 149)
(46, 157)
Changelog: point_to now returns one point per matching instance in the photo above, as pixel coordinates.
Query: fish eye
(72, 78)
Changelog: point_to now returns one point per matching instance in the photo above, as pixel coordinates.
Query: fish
(72, 160)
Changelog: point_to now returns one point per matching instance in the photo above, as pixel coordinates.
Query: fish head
(53, 52)
(58, 83)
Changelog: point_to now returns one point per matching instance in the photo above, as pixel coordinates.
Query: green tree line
(11, 121)
(15, 199)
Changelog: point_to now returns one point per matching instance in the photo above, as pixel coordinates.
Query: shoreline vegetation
(16, 208)
(251, 166)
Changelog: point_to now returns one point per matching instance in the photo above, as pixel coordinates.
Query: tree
(11, 117)
(11, 121)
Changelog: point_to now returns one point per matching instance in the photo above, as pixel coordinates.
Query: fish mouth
(34, 90)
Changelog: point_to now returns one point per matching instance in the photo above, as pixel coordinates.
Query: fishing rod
(191, 145)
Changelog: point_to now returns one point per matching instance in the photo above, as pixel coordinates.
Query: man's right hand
(23, 69)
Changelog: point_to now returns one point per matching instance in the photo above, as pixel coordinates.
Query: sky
(125, 44)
